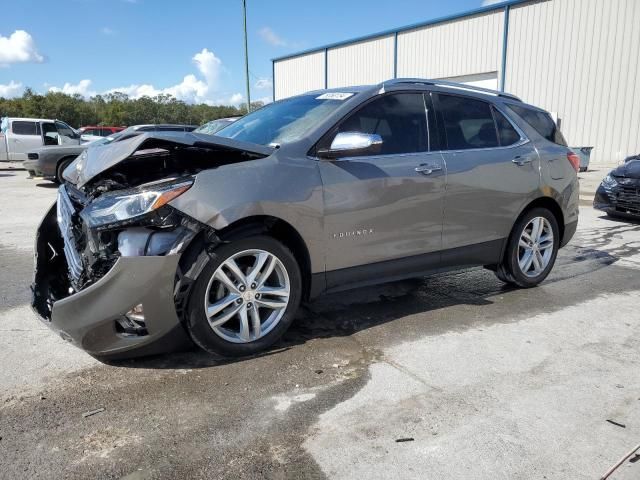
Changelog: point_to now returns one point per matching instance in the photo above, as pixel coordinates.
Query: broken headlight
(120, 206)
(609, 181)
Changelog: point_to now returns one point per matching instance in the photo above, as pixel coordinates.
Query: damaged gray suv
(158, 241)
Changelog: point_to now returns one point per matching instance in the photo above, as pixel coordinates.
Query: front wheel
(532, 249)
(245, 298)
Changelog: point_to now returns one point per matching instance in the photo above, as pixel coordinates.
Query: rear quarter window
(25, 128)
(506, 133)
(541, 122)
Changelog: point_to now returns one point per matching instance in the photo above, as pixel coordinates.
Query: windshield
(284, 121)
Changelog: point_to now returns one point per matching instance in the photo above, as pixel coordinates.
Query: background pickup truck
(19, 136)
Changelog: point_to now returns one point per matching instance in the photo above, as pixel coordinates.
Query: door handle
(522, 161)
(427, 169)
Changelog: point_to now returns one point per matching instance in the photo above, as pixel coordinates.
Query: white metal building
(579, 59)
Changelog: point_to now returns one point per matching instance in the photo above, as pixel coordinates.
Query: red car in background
(99, 131)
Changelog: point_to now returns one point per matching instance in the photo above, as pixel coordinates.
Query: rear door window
(541, 122)
(468, 123)
(507, 134)
(25, 128)
(400, 119)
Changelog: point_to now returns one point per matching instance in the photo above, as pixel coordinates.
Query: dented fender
(227, 194)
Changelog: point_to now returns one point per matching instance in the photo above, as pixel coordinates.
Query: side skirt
(487, 253)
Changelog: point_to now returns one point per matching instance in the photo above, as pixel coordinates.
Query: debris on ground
(617, 424)
(93, 412)
(408, 439)
(620, 462)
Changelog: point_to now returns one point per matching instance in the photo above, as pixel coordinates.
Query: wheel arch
(279, 229)
(273, 226)
(541, 202)
(550, 204)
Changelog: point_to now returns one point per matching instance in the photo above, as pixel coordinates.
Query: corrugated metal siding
(365, 62)
(298, 75)
(452, 49)
(580, 59)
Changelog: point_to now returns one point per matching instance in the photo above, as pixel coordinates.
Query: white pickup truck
(19, 136)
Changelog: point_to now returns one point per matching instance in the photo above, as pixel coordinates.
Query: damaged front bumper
(619, 200)
(97, 317)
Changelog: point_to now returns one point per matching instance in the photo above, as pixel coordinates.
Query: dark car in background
(50, 162)
(619, 193)
(99, 131)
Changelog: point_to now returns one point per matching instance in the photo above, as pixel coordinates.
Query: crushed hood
(631, 169)
(97, 159)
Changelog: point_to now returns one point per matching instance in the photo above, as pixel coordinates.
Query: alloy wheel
(535, 247)
(247, 296)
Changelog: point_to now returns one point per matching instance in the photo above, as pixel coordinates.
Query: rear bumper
(39, 168)
(88, 318)
(569, 232)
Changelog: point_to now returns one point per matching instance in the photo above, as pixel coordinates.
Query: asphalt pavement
(448, 377)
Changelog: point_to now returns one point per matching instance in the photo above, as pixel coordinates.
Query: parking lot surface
(475, 379)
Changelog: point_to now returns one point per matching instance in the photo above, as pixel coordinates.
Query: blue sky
(192, 49)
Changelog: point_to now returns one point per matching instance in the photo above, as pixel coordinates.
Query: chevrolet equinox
(159, 240)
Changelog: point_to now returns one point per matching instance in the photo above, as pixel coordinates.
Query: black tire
(509, 270)
(197, 323)
(62, 165)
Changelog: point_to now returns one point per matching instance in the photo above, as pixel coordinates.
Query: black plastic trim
(481, 254)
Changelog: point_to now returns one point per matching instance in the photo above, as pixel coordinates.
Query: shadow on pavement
(47, 185)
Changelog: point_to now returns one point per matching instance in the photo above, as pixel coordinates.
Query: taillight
(574, 160)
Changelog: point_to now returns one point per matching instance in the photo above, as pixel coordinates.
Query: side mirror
(351, 144)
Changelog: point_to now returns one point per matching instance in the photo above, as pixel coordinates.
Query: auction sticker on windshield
(334, 96)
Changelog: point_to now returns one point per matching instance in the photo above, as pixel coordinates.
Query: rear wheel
(62, 165)
(245, 298)
(532, 249)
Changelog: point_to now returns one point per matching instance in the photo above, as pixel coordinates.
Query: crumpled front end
(115, 301)
(107, 274)
(619, 196)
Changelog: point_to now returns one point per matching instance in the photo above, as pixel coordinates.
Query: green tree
(114, 109)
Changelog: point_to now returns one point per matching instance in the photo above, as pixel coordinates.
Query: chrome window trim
(521, 142)
(374, 157)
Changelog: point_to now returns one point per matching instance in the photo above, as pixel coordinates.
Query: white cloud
(107, 31)
(192, 89)
(209, 65)
(264, 100)
(263, 83)
(271, 37)
(236, 99)
(18, 47)
(81, 88)
(13, 89)
(491, 2)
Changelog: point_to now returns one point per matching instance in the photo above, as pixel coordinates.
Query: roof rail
(445, 83)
